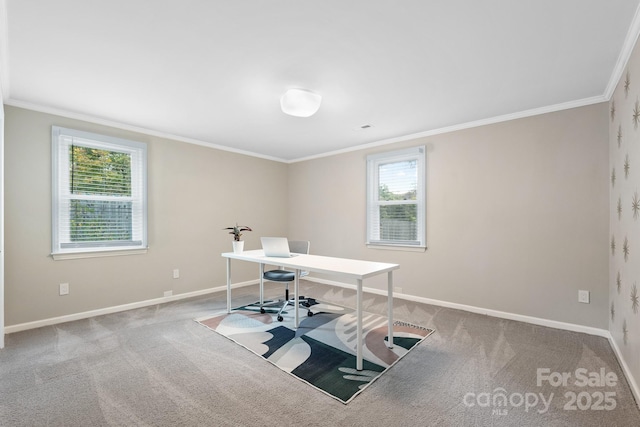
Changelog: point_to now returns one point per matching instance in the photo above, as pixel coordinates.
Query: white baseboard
(115, 309)
(478, 310)
(625, 369)
(511, 316)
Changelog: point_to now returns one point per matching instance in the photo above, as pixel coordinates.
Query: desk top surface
(354, 268)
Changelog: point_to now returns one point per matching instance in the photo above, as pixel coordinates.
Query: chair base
(302, 302)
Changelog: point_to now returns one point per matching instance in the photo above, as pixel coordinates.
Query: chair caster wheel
(280, 318)
(310, 313)
(262, 310)
(306, 304)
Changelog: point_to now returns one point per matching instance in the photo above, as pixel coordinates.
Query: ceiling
(212, 72)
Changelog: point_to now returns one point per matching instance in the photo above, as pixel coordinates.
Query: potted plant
(238, 245)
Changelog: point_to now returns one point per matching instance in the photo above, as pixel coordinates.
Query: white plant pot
(238, 247)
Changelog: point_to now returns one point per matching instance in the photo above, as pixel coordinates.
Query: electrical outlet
(64, 289)
(397, 289)
(583, 297)
(176, 273)
(168, 293)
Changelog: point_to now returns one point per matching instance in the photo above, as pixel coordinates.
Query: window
(396, 198)
(99, 201)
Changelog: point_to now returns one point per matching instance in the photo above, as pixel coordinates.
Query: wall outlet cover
(64, 289)
(583, 297)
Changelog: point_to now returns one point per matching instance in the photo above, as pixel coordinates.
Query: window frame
(373, 239)
(60, 173)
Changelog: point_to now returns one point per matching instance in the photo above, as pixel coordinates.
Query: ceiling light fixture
(300, 102)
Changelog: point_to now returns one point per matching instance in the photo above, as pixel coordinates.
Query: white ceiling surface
(212, 72)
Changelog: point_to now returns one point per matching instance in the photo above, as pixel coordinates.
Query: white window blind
(396, 198)
(99, 192)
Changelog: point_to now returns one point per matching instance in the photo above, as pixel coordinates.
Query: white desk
(350, 268)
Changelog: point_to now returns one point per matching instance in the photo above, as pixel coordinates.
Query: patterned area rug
(322, 351)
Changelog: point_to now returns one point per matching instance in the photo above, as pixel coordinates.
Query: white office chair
(284, 276)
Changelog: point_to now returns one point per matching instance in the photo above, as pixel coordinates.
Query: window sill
(397, 247)
(97, 254)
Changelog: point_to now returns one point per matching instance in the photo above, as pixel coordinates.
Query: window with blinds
(396, 198)
(99, 193)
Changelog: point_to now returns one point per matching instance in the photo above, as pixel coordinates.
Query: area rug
(322, 351)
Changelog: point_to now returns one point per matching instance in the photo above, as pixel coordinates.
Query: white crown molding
(462, 126)
(625, 54)
(623, 58)
(137, 129)
(477, 123)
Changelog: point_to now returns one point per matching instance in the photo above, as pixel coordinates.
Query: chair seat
(280, 275)
(284, 276)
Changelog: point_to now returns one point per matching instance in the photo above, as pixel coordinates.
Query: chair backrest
(299, 246)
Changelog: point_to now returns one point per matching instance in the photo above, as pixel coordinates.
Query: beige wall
(194, 192)
(517, 216)
(624, 273)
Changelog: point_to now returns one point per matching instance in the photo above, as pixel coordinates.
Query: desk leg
(295, 298)
(390, 307)
(261, 286)
(228, 285)
(359, 327)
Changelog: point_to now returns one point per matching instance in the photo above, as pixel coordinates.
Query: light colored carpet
(157, 367)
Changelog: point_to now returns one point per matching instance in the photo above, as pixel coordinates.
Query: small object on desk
(238, 245)
(280, 247)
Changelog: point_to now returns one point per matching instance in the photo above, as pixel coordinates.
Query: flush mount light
(300, 102)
